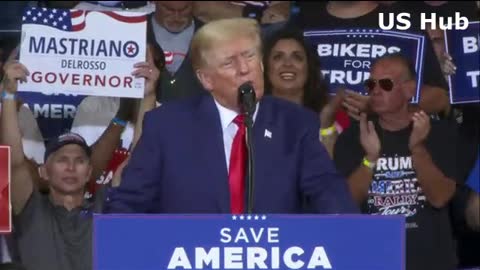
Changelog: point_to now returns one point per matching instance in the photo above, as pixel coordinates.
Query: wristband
(367, 163)
(8, 96)
(327, 131)
(119, 122)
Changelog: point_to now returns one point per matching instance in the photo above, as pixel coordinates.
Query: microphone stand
(251, 161)
(247, 101)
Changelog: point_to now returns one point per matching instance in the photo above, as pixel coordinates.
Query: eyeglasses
(386, 84)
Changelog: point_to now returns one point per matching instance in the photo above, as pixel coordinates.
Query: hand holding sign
(149, 71)
(448, 67)
(14, 71)
(464, 81)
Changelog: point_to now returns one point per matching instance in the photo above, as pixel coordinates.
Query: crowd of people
(376, 154)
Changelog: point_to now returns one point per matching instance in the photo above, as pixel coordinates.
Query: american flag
(61, 19)
(70, 20)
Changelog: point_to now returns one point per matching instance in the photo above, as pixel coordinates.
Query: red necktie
(236, 175)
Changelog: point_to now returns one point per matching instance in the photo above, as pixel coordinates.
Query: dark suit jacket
(178, 166)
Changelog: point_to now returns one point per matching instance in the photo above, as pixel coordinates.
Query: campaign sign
(54, 112)
(463, 46)
(5, 210)
(346, 56)
(340, 242)
(83, 52)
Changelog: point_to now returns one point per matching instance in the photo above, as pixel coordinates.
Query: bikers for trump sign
(339, 242)
(464, 47)
(5, 210)
(346, 55)
(83, 52)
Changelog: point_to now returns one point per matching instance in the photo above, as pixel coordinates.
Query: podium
(340, 242)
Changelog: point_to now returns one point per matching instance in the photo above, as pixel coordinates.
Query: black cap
(65, 139)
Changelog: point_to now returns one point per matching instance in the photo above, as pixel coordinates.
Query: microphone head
(246, 88)
(247, 97)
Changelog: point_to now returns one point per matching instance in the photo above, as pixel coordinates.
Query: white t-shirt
(93, 116)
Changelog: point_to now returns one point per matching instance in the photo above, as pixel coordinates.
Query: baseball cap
(65, 139)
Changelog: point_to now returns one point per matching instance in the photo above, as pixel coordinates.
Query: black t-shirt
(395, 190)
(314, 16)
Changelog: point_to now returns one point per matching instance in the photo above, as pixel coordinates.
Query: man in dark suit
(191, 155)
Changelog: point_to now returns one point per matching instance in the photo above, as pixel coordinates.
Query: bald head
(400, 62)
(174, 16)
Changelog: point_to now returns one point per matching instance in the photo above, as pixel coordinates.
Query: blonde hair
(219, 31)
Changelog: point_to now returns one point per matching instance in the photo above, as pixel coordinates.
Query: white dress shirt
(229, 128)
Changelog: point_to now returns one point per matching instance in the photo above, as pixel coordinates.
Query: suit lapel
(212, 151)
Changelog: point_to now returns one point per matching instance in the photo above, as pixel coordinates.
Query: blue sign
(347, 55)
(463, 46)
(339, 242)
(54, 113)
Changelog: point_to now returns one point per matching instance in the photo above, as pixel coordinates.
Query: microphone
(247, 98)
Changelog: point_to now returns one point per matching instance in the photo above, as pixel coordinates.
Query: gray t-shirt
(50, 237)
(175, 45)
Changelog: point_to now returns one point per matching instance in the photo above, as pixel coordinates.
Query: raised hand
(13, 71)
(355, 103)
(421, 128)
(446, 62)
(369, 138)
(149, 71)
(327, 115)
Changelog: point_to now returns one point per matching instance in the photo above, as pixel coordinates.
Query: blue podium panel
(340, 242)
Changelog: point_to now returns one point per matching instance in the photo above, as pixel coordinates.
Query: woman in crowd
(292, 72)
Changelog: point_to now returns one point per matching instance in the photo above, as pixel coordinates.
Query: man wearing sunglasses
(400, 162)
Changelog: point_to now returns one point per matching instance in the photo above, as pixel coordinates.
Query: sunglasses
(386, 84)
